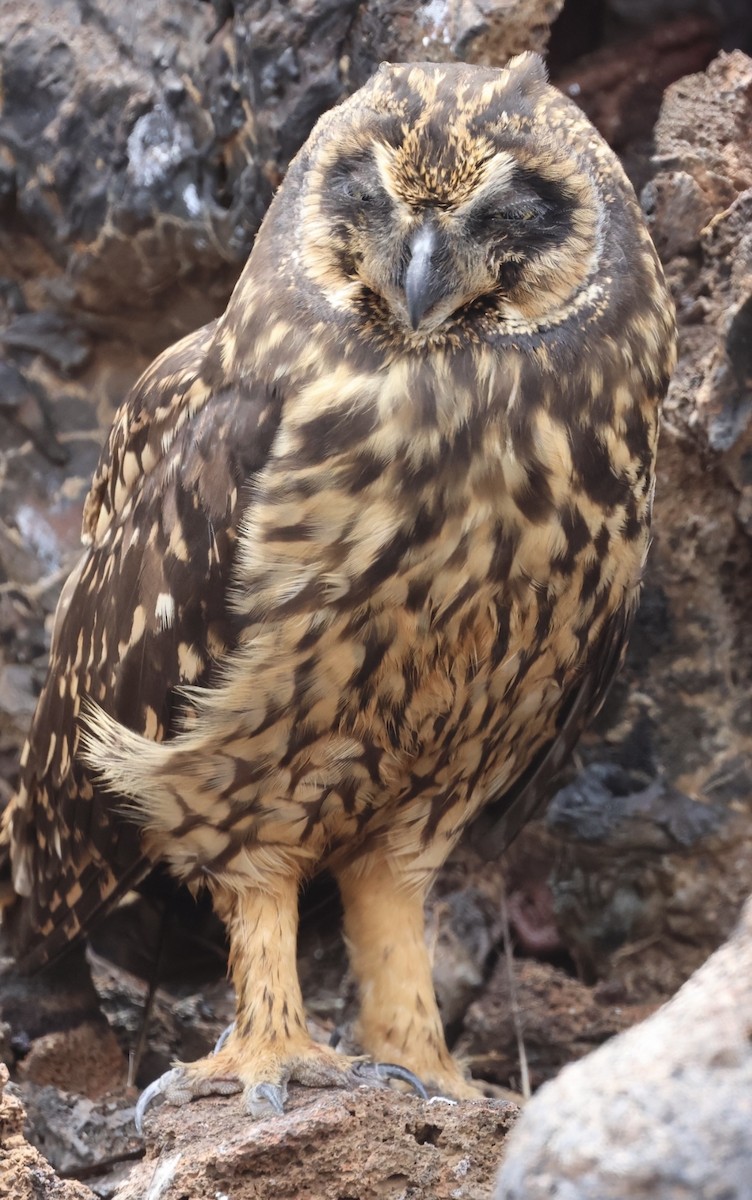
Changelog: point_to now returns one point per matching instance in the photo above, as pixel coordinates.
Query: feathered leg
(269, 1044)
(385, 931)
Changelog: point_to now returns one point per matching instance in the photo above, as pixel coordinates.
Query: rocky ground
(130, 192)
(662, 1110)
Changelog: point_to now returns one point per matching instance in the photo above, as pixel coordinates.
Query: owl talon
(265, 1099)
(223, 1037)
(178, 1088)
(382, 1072)
(156, 1088)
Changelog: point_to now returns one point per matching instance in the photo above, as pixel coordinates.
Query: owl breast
(430, 616)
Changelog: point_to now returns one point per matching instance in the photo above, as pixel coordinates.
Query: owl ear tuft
(528, 73)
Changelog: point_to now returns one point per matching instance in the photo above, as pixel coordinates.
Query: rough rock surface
(621, 87)
(663, 1110)
(24, 1173)
(363, 1145)
(560, 1019)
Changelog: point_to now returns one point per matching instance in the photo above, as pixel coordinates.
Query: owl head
(441, 193)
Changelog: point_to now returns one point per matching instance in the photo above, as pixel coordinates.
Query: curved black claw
(265, 1099)
(179, 1086)
(155, 1088)
(223, 1038)
(385, 1071)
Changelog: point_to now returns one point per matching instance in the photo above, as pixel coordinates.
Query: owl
(360, 559)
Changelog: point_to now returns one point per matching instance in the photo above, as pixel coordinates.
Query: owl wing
(500, 821)
(144, 612)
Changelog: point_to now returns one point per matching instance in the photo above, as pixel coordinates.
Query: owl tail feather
(124, 762)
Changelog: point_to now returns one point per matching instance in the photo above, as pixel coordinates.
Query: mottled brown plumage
(362, 555)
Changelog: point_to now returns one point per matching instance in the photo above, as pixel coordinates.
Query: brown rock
(182, 1025)
(61, 997)
(560, 1019)
(663, 1110)
(81, 1137)
(620, 87)
(364, 1145)
(464, 928)
(86, 1060)
(487, 32)
(24, 1174)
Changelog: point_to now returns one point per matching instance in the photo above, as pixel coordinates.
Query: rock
(665, 1109)
(362, 1145)
(620, 87)
(487, 32)
(61, 997)
(117, 169)
(79, 1136)
(24, 1174)
(560, 1019)
(731, 15)
(638, 843)
(183, 1024)
(86, 1060)
(464, 927)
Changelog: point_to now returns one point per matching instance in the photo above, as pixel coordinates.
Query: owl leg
(399, 1017)
(269, 1044)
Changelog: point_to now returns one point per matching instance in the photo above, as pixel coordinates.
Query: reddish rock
(24, 1174)
(86, 1060)
(620, 87)
(364, 1145)
(560, 1019)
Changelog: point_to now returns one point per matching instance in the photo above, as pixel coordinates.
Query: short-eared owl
(361, 557)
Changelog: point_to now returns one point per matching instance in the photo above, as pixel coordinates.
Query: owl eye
(365, 194)
(522, 212)
(517, 214)
(489, 219)
(362, 193)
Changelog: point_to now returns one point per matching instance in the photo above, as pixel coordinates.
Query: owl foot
(263, 1078)
(379, 1073)
(175, 1087)
(365, 1070)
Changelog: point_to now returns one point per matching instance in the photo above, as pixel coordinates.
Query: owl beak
(424, 278)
